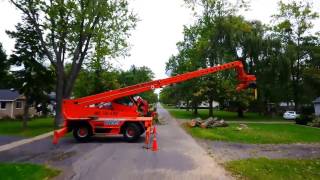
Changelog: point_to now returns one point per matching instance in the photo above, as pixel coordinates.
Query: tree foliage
(5, 77)
(33, 79)
(90, 82)
(284, 55)
(292, 26)
(68, 29)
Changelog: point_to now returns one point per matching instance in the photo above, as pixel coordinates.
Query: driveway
(179, 157)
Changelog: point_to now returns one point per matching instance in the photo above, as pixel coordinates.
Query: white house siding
(317, 109)
(12, 112)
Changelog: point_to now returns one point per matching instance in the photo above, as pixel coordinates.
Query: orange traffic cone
(154, 144)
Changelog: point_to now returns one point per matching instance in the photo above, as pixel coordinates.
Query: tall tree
(137, 75)
(109, 78)
(33, 79)
(293, 23)
(220, 37)
(68, 29)
(4, 70)
(93, 81)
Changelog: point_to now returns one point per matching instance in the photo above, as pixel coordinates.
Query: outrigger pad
(58, 134)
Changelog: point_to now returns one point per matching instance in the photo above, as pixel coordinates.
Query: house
(316, 104)
(12, 104)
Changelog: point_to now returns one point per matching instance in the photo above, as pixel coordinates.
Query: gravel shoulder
(227, 151)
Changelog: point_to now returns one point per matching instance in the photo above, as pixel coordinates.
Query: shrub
(6, 118)
(307, 110)
(303, 119)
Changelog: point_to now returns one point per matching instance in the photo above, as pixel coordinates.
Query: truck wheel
(132, 132)
(82, 133)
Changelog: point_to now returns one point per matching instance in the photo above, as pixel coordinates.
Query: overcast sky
(159, 29)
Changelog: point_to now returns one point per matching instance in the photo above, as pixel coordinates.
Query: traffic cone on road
(154, 144)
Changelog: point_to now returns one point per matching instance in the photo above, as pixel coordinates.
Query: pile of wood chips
(208, 123)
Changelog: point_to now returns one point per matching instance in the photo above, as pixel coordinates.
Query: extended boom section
(244, 81)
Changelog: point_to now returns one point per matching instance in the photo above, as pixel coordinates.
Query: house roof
(8, 95)
(316, 101)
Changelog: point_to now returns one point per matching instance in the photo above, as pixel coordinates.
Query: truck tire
(82, 133)
(132, 132)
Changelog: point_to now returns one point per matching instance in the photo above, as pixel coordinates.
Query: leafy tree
(137, 75)
(92, 82)
(216, 38)
(293, 23)
(167, 95)
(33, 80)
(68, 29)
(188, 91)
(311, 74)
(283, 58)
(98, 78)
(5, 77)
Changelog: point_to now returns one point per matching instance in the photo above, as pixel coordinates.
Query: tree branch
(53, 25)
(37, 29)
(77, 67)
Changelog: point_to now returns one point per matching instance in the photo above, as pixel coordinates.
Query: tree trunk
(295, 95)
(25, 114)
(210, 107)
(59, 98)
(188, 109)
(195, 110)
(297, 84)
(240, 112)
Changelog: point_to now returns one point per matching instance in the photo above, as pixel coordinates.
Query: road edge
(24, 141)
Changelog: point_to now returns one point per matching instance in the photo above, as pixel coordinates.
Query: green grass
(226, 115)
(262, 168)
(14, 171)
(259, 133)
(35, 127)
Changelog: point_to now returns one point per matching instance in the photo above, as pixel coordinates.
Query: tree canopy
(67, 30)
(283, 55)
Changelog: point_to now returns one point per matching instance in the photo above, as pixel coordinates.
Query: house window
(18, 105)
(3, 105)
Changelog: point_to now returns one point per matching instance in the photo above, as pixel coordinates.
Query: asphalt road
(8, 139)
(179, 157)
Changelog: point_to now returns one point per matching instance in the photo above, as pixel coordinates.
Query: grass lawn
(259, 133)
(262, 168)
(35, 127)
(226, 115)
(13, 171)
